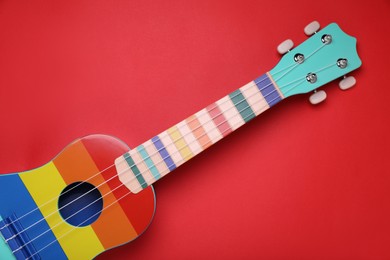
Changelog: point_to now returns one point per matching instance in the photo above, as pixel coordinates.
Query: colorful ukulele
(97, 194)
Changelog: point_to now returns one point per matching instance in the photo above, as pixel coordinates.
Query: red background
(299, 182)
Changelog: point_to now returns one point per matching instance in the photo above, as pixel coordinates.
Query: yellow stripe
(46, 183)
(180, 143)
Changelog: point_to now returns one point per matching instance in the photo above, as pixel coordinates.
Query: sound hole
(80, 204)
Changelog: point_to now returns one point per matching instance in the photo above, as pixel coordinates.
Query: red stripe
(139, 208)
(219, 119)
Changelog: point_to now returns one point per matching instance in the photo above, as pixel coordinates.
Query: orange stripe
(198, 131)
(75, 164)
(139, 208)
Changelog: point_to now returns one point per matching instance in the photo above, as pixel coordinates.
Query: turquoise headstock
(327, 55)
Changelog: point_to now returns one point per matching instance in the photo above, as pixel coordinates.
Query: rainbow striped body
(21, 193)
(166, 151)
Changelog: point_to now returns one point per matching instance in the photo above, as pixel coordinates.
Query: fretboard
(155, 158)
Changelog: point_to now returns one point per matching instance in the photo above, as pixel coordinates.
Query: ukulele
(97, 194)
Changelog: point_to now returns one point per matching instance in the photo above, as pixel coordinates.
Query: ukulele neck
(155, 158)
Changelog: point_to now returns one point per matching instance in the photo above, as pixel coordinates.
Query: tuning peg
(347, 82)
(285, 46)
(311, 28)
(317, 97)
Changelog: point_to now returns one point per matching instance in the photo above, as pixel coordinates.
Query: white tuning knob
(317, 97)
(311, 28)
(347, 82)
(285, 46)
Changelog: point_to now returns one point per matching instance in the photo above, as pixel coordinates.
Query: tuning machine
(312, 28)
(317, 97)
(347, 82)
(285, 46)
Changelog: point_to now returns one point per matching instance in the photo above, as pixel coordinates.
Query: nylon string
(61, 222)
(254, 83)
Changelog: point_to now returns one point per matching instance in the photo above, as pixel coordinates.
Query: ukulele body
(65, 225)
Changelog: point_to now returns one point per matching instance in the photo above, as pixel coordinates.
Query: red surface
(300, 182)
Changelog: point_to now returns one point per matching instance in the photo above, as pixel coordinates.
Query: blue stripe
(12, 243)
(164, 153)
(5, 249)
(268, 90)
(149, 162)
(20, 245)
(15, 199)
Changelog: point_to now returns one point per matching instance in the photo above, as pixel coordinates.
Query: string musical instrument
(97, 194)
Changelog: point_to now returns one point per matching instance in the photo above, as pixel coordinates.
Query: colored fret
(180, 143)
(160, 155)
(242, 105)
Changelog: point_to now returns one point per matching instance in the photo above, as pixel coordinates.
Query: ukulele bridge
(14, 242)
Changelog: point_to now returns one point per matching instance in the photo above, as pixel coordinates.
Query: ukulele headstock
(327, 55)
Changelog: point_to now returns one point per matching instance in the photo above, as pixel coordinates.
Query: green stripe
(242, 105)
(135, 170)
(148, 162)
